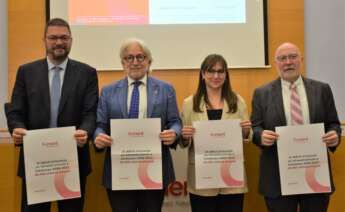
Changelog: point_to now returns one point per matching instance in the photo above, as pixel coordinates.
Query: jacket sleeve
(173, 120)
(257, 118)
(331, 116)
(90, 104)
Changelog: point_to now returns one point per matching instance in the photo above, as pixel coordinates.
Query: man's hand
(17, 135)
(331, 138)
(103, 140)
(81, 137)
(168, 136)
(268, 137)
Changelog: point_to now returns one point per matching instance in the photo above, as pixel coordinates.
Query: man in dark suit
(272, 107)
(157, 99)
(33, 106)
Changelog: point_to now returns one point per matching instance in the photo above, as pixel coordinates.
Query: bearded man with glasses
(55, 91)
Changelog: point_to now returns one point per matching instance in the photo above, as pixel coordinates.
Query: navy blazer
(30, 103)
(268, 113)
(161, 103)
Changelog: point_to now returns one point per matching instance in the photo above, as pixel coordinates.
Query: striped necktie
(134, 107)
(55, 93)
(295, 107)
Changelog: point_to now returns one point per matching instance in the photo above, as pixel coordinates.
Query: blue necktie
(134, 107)
(55, 92)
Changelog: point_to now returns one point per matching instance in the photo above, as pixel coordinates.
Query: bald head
(285, 46)
(288, 60)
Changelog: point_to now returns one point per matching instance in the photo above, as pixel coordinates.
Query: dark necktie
(55, 92)
(134, 107)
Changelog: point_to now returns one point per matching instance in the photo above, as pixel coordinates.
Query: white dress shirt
(286, 92)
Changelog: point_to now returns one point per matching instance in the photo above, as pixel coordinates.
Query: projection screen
(180, 33)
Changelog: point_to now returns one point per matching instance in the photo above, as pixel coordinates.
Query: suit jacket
(188, 117)
(161, 103)
(268, 112)
(30, 103)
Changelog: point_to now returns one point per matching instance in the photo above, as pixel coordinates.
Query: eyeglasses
(54, 38)
(130, 58)
(284, 58)
(212, 72)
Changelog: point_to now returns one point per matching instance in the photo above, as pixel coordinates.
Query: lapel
(277, 100)
(44, 85)
(311, 93)
(122, 98)
(225, 114)
(69, 82)
(202, 116)
(152, 95)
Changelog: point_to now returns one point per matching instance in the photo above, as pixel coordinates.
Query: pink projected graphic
(226, 175)
(108, 12)
(145, 178)
(312, 181)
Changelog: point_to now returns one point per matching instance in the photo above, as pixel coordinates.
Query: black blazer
(268, 112)
(30, 103)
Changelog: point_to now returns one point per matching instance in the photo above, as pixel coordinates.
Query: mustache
(289, 67)
(136, 66)
(59, 47)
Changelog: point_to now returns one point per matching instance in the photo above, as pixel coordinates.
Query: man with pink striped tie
(291, 100)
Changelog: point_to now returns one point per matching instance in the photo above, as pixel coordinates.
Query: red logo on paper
(136, 134)
(50, 144)
(218, 135)
(302, 140)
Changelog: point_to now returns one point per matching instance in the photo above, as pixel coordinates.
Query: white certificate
(303, 162)
(136, 154)
(218, 154)
(51, 165)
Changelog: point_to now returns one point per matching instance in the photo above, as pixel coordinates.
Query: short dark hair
(57, 22)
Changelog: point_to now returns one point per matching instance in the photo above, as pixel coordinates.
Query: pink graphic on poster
(61, 187)
(226, 175)
(310, 177)
(144, 177)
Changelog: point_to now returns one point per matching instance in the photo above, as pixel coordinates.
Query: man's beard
(59, 56)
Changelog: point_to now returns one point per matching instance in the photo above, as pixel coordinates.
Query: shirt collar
(297, 83)
(62, 65)
(142, 80)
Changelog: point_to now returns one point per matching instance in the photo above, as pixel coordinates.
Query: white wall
(325, 46)
(3, 61)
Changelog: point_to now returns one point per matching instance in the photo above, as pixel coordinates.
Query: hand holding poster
(136, 154)
(303, 161)
(51, 165)
(218, 154)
